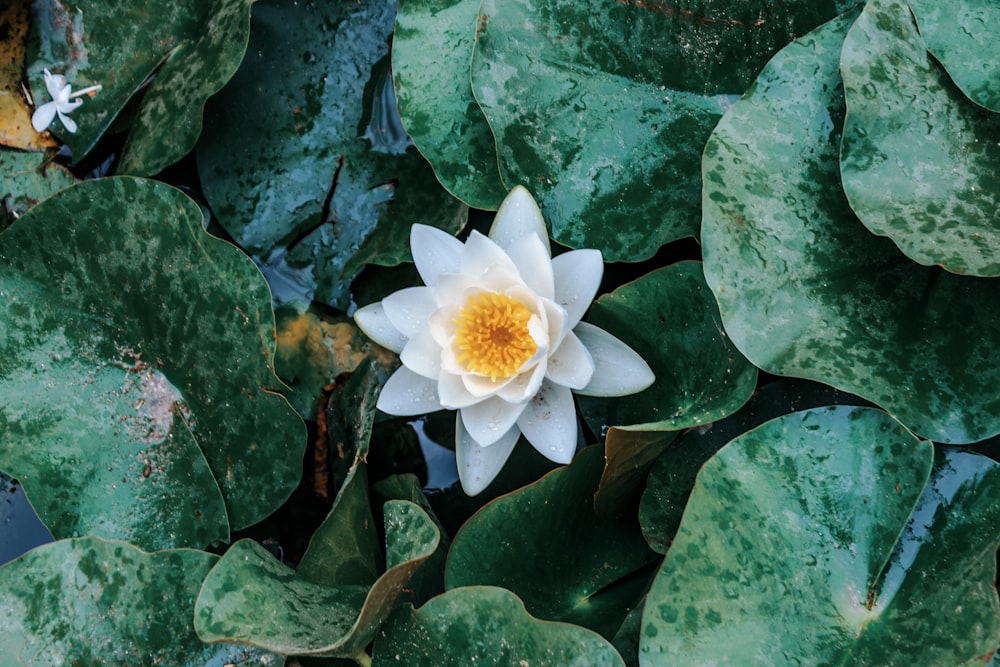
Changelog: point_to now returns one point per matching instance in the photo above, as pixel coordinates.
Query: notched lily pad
(28, 178)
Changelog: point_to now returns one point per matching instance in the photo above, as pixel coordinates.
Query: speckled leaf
(134, 347)
(806, 291)
(27, 179)
(602, 108)
(189, 47)
(545, 543)
(15, 111)
(490, 626)
(963, 36)
(793, 548)
(93, 602)
(920, 162)
(251, 598)
(331, 180)
(431, 52)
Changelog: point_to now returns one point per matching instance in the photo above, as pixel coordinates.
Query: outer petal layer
(488, 420)
(434, 252)
(571, 364)
(549, 422)
(406, 393)
(518, 216)
(376, 325)
(618, 369)
(409, 309)
(578, 276)
(477, 465)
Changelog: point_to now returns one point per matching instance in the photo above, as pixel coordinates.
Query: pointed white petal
(434, 252)
(422, 355)
(578, 276)
(618, 369)
(67, 122)
(409, 309)
(482, 387)
(533, 263)
(525, 385)
(571, 364)
(43, 116)
(480, 255)
(453, 393)
(373, 321)
(555, 320)
(54, 83)
(549, 422)
(477, 465)
(488, 420)
(406, 393)
(519, 216)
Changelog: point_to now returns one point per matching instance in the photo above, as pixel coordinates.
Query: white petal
(441, 324)
(477, 465)
(534, 265)
(488, 420)
(549, 422)
(422, 355)
(555, 320)
(571, 364)
(373, 321)
(43, 116)
(406, 393)
(525, 385)
(480, 255)
(67, 122)
(519, 216)
(578, 276)
(453, 393)
(434, 252)
(482, 387)
(409, 309)
(54, 83)
(618, 369)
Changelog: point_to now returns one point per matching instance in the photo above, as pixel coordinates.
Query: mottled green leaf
(135, 367)
(963, 36)
(190, 48)
(545, 543)
(330, 180)
(28, 178)
(920, 162)
(490, 626)
(431, 52)
(793, 549)
(92, 602)
(601, 108)
(805, 290)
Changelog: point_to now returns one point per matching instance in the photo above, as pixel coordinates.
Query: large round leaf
(545, 544)
(28, 178)
(489, 626)
(134, 347)
(793, 548)
(189, 47)
(963, 35)
(805, 290)
(92, 602)
(431, 50)
(330, 180)
(602, 108)
(920, 162)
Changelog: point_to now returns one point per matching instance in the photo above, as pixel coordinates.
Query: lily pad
(190, 48)
(331, 180)
(919, 161)
(602, 110)
(28, 178)
(119, 316)
(431, 53)
(545, 543)
(806, 291)
(962, 35)
(817, 537)
(487, 625)
(93, 602)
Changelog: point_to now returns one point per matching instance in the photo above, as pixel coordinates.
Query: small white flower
(64, 101)
(496, 334)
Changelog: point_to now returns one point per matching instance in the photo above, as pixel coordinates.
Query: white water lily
(495, 334)
(64, 101)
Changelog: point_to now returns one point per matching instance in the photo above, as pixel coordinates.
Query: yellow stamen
(492, 336)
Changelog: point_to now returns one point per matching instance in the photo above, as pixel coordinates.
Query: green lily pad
(28, 178)
(431, 50)
(817, 537)
(136, 370)
(545, 543)
(251, 598)
(806, 291)
(602, 112)
(330, 180)
(962, 35)
(486, 625)
(92, 602)
(919, 161)
(190, 48)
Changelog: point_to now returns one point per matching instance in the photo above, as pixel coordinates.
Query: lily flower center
(492, 336)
